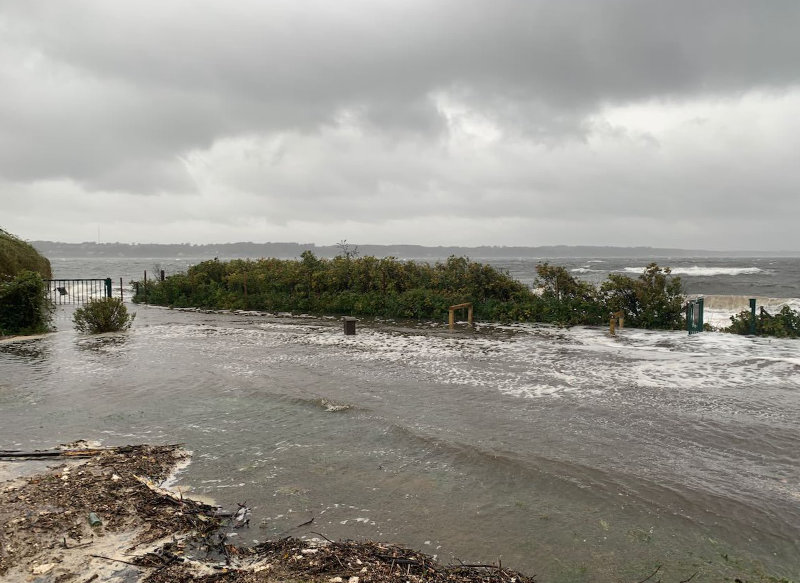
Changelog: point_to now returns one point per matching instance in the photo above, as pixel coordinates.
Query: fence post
(752, 316)
(108, 287)
(700, 319)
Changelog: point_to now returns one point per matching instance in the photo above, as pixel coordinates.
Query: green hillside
(16, 255)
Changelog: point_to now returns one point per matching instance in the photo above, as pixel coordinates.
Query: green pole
(108, 287)
(752, 316)
(700, 319)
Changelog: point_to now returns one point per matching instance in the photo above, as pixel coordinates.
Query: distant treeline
(294, 250)
(391, 288)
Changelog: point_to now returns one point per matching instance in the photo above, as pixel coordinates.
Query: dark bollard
(349, 326)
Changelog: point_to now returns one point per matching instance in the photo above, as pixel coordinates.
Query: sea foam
(699, 270)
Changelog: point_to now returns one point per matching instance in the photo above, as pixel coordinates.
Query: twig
(92, 578)
(690, 578)
(172, 559)
(651, 575)
(322, 535)
(115, 560)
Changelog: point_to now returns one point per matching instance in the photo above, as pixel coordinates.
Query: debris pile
(62, 522)
(105, 518)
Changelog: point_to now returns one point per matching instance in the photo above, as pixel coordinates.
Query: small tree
(103, 315)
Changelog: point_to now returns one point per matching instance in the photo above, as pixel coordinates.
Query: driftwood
(71, 452)
(55, 453)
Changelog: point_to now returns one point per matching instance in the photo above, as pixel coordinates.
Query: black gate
(77, 291)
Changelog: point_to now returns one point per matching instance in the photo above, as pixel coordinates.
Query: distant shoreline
(293, 250)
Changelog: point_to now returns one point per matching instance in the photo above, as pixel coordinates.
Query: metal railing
(77, 291)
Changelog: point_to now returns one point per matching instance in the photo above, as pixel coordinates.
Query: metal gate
(77, 291)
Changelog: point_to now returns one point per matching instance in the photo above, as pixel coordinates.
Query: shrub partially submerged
(24, 306)
(103, 315)
(784, 324)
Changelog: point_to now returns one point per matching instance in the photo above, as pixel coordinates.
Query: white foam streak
(523, 361)
(697, 270)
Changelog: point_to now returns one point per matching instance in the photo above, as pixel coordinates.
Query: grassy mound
(16, 256)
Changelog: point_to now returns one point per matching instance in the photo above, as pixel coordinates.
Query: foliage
(784, 324)
(102, 315)
(16, 256)
(391, 288)
(24, 305)
(653, 300)
(568, 301)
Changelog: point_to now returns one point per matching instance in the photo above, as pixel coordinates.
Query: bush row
(391, 288)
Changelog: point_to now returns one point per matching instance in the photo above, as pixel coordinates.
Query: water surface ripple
(568, 453)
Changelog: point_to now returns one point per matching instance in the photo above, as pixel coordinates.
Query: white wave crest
(698, 270)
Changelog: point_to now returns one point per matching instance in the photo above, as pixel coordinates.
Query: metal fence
(77, 291)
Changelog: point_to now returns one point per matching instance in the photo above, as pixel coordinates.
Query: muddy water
(565, 453)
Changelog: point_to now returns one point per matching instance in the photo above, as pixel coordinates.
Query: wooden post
(122, 299)
(452, 313)
(617, 319)
(145, 286)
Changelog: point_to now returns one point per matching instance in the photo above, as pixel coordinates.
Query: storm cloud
(450, 122)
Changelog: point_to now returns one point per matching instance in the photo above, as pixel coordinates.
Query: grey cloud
(113, 96)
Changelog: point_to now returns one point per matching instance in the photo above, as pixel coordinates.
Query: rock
(42, 569)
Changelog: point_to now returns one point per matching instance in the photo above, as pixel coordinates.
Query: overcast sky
(452, 122)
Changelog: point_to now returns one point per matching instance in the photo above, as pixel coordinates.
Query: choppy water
(777, 277)
(566, 453)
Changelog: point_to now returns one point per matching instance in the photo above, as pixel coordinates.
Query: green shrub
(653, 300)
(24, 305)
(103, 315)
(784, 324)
(566, 300)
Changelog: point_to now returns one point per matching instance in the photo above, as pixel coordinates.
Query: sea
(566, 453)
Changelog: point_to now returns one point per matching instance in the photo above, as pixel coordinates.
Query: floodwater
(565, 453)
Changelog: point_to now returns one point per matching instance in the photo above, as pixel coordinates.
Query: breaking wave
(697, 270)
